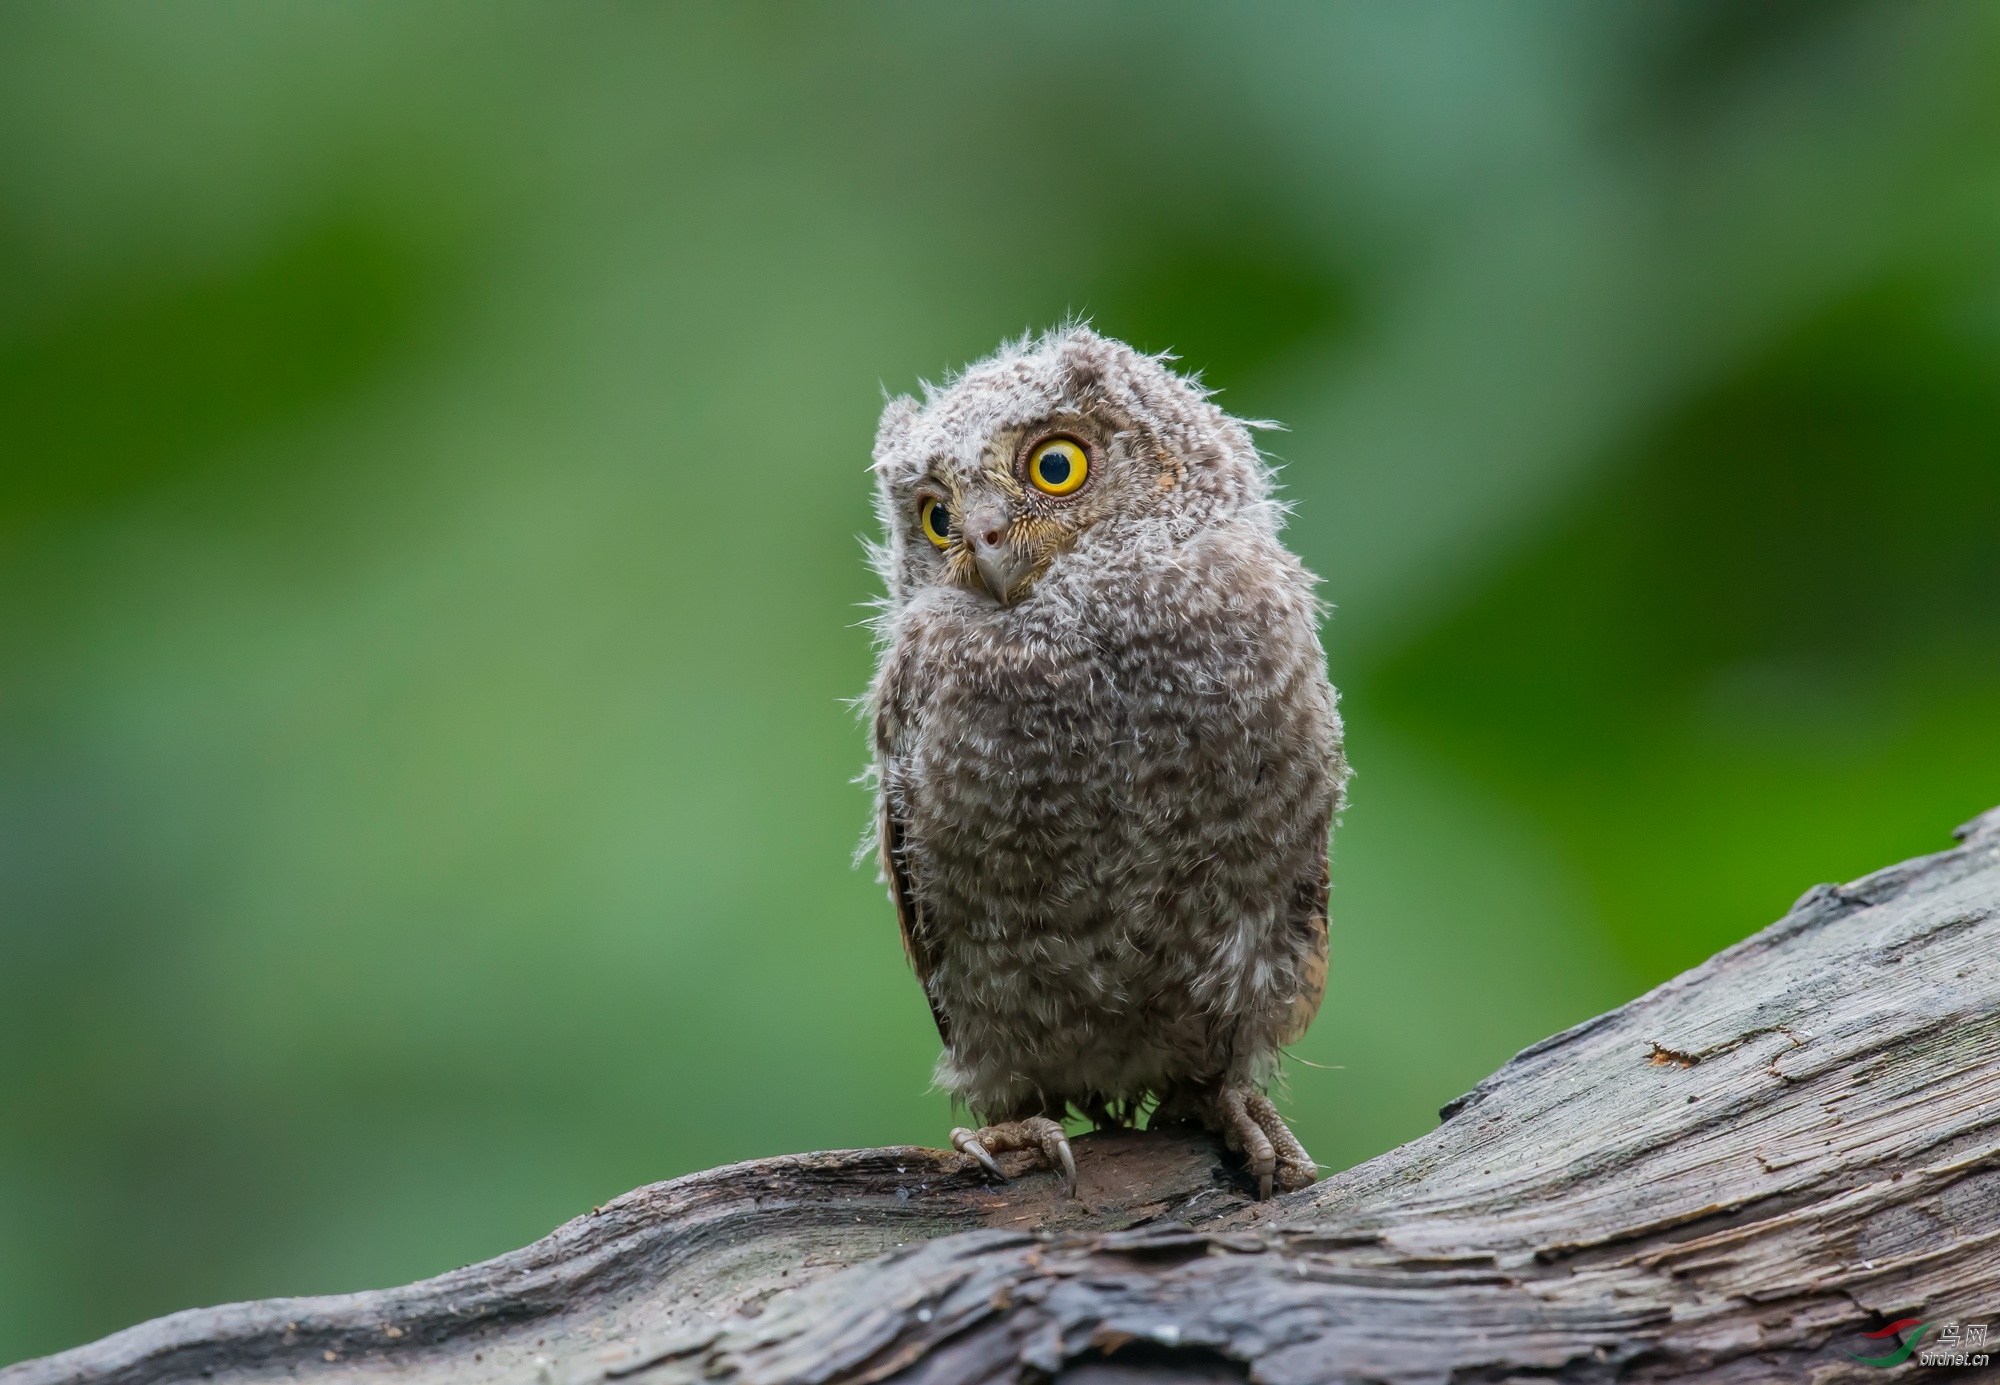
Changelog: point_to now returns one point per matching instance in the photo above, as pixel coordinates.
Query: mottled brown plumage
(1108, 755)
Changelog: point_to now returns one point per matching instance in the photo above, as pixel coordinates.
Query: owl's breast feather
(1088, 741)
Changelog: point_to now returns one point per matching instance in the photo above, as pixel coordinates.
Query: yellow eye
(1058, 466)
(936, 518)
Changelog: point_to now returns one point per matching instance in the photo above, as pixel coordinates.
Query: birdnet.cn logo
(1956, 1344)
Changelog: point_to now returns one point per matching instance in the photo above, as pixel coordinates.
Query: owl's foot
(1252, 1125)
(1036, 1132)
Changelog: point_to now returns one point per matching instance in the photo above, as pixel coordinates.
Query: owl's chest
(1024, 748)
(1042, 777)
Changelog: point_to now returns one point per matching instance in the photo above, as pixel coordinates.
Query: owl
(1107, 755)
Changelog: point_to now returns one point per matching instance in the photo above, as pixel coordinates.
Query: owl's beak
(1002, 563)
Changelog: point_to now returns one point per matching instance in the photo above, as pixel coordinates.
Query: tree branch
(1729, 1179)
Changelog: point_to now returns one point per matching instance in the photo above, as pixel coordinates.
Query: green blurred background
(429, 579)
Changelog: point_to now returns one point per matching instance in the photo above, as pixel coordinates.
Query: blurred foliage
(1784, 608)
(431, 461)
(1241, 303)
(160, 376)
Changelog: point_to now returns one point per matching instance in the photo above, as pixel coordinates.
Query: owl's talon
(1251, 1124)
(1036, 1132)
(1295, 1168)
(966, 1142)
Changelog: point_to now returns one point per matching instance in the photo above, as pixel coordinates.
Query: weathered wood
(1728, 1179)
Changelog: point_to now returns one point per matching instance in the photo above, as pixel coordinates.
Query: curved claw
(967, 1142)
(1068, 1162)
(1047, 1136)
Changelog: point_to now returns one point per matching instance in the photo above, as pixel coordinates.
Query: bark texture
(1729, 1179)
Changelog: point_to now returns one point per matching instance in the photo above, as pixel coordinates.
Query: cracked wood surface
(1729, 1179)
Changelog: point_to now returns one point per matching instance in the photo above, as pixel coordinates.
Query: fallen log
(1731, 1178)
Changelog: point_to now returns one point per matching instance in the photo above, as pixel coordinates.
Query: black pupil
(1055, 467)
(940, 520)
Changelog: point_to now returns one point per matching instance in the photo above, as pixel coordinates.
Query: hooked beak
(1002, 563)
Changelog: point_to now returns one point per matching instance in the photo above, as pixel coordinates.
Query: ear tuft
(899, 416)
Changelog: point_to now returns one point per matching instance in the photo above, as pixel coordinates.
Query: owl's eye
(1058, 466)
(935, 516)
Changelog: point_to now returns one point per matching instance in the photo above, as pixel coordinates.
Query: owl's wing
(892, 693)
(909, 918)
(1309, 899)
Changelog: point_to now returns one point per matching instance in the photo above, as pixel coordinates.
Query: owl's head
(1066, 444)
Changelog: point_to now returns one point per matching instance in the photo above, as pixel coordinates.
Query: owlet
(1107, 753)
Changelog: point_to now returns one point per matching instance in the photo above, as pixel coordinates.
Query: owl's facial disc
(1004, 564)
